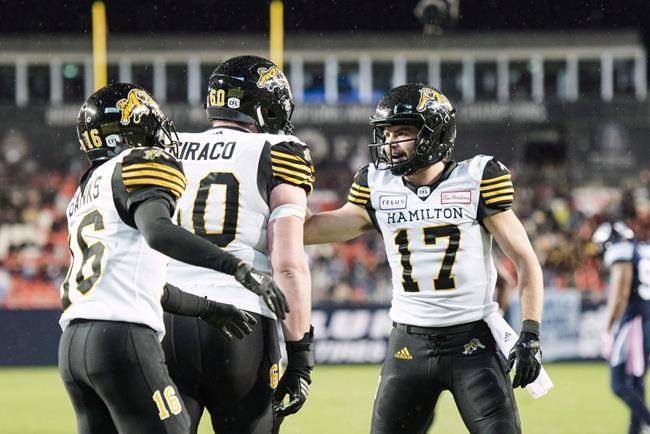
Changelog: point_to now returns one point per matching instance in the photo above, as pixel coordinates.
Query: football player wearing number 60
(437, 218)
(247, 184)
(121, 238)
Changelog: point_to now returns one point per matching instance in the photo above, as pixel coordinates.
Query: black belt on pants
(454, 329)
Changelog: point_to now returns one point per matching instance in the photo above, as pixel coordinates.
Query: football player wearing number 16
(121, 235)
(438, 218)
(247, 184)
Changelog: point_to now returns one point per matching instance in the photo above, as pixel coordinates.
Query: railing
(327, 70)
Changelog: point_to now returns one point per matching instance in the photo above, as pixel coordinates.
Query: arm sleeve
(496, 190)
(359, 193)
(291, 164)
(179, 302)
(151, 172)
(153, 219)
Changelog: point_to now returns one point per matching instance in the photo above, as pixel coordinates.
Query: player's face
(400, 140)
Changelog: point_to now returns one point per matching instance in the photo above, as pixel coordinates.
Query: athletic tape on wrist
(288, 210)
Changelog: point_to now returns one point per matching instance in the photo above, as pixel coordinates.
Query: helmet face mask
(251, 89)
(121, 116)
(428, 110)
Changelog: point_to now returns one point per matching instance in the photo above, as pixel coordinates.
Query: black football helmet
(424, 107)
(253, 90)
(120, 116)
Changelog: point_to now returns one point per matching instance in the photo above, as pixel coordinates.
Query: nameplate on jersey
(84, 196)
(204, 151)
(456, 197)
(392, 202)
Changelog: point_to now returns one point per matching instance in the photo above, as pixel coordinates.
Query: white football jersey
(230, 173)
(439, 253)
(114, 275)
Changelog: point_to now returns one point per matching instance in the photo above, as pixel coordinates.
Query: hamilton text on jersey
(82, 197)
(424, 214)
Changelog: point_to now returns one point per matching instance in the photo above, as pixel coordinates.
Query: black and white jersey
(114, 275)
(230, 174)
(439, 253)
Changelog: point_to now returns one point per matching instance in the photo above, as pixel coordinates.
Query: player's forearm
(615, 310)
(295, 280)
(180, 302)
(291, 273)
(332, 227)
(531, 286)
(153, 220)
(620, 286)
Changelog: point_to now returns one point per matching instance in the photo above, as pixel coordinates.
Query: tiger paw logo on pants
(473, 346)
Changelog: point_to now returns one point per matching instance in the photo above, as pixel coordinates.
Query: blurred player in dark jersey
(627, 334)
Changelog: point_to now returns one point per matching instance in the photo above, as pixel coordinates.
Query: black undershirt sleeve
(182, 303)
(153, 219)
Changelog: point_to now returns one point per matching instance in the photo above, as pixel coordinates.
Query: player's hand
(526, 356)
(228, 319)
(606, 344)
(264, 286)
(296, 378)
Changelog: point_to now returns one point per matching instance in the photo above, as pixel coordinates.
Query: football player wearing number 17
(438, 218)
(121, 236)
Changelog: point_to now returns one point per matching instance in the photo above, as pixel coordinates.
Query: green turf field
(33, 401)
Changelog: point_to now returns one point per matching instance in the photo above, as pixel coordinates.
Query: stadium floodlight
(437, 15)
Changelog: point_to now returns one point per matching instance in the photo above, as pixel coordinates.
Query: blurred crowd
(559, 218)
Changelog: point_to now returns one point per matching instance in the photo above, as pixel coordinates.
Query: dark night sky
(191, 16)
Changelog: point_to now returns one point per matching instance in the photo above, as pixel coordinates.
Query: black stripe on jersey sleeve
(496, 190)
(359, 192)
(265, 173)
(291, 164)
(152, 167)
(126, 202)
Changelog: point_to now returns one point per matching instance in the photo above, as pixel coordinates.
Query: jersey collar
(424, 191)
(230, 127)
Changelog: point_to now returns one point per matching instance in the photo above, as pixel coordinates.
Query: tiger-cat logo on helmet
(431, 99)
(271, 78)
(135, 105)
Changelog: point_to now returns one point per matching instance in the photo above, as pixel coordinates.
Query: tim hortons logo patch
(461, 197)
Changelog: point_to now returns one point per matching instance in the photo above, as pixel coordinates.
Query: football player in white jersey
(121, 235)
(247, 186)
(437, 218)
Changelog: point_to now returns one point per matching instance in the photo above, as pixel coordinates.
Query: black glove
(296, 378)
(228, 319)
(527, 354)
(264, 286)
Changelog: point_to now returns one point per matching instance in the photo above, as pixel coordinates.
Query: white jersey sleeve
(619, 252)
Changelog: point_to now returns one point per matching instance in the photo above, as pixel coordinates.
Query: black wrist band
(530, 326)
(301, 353)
